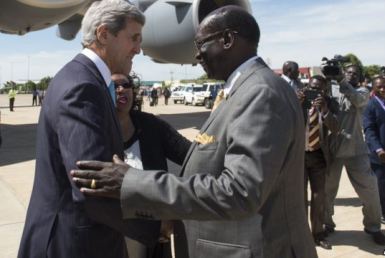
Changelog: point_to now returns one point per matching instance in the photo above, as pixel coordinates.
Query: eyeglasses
(125, 85)
(199, 43)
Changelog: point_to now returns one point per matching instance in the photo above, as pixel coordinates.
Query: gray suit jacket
(349, 141)
(242, 195)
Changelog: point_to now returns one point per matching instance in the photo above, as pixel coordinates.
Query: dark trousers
(315, 169)
(34, 100)
(379, 170)
(165, 101)
(11, 103)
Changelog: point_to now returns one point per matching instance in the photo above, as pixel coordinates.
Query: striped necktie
(314, 130)
(111, 89)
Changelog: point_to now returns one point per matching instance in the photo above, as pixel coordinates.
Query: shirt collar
(236, 73)
(100, 64)
(286, 78)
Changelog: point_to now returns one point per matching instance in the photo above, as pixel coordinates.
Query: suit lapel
(242, 78)
(94, 70)
(204, 127)
(259, 63)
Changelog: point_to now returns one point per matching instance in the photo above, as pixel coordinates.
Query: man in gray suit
(349, 149)
(241, 188)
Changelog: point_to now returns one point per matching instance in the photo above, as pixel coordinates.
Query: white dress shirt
(100, 64)
(133, 157)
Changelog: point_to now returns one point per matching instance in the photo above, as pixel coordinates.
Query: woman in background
(148, 143)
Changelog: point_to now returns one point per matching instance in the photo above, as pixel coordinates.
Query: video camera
(332, 67)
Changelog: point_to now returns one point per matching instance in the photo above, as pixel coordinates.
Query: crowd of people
(101, 171)
(335, 119)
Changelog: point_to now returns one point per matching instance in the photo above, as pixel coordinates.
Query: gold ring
(93, 184)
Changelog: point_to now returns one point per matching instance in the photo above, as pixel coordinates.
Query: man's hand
(381, 155)
(300, 96)
(107, 176)
(321, 105)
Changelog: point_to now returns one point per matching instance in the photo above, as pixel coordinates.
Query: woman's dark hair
(378, 77)
(136, 103)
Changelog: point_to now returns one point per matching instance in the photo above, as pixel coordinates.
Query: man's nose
(137, 48)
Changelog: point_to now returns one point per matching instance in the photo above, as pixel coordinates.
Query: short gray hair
(112, 13)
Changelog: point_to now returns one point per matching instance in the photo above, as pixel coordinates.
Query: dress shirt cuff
(379, 150)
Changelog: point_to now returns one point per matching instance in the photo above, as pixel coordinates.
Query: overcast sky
(300, 30)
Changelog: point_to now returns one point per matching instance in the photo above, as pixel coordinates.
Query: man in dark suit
(78, 121)
(241, 188)
(319, 111)
(290, 73)
(374, 128)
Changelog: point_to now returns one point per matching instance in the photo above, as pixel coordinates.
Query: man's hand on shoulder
(103, 179)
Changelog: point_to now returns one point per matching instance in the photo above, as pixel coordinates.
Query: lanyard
(381, 102)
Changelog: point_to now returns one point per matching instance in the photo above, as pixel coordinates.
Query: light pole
(12, 63)
(28, 68)
(12, 71)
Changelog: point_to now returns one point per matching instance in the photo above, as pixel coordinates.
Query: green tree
(371, 70)
(353, 59)
(203, 77)
(44, 82)
(29, 86)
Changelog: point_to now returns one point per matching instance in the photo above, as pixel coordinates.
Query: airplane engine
(22, 16)
(167, 36)
(171, 25)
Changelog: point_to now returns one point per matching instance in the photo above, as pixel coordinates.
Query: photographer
(349, 149)
(319, 111)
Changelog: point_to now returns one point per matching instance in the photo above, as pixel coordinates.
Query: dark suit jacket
(242, 194)
(77, 122)
(158, 141)
(374, 128)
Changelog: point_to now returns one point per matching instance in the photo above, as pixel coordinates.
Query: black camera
(332, 67)
(310, 96)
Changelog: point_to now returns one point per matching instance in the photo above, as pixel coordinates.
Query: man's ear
(102, 34)
(228, 39)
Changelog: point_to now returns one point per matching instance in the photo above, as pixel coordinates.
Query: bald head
(290, 69)
(225, 39)
(234, 18)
